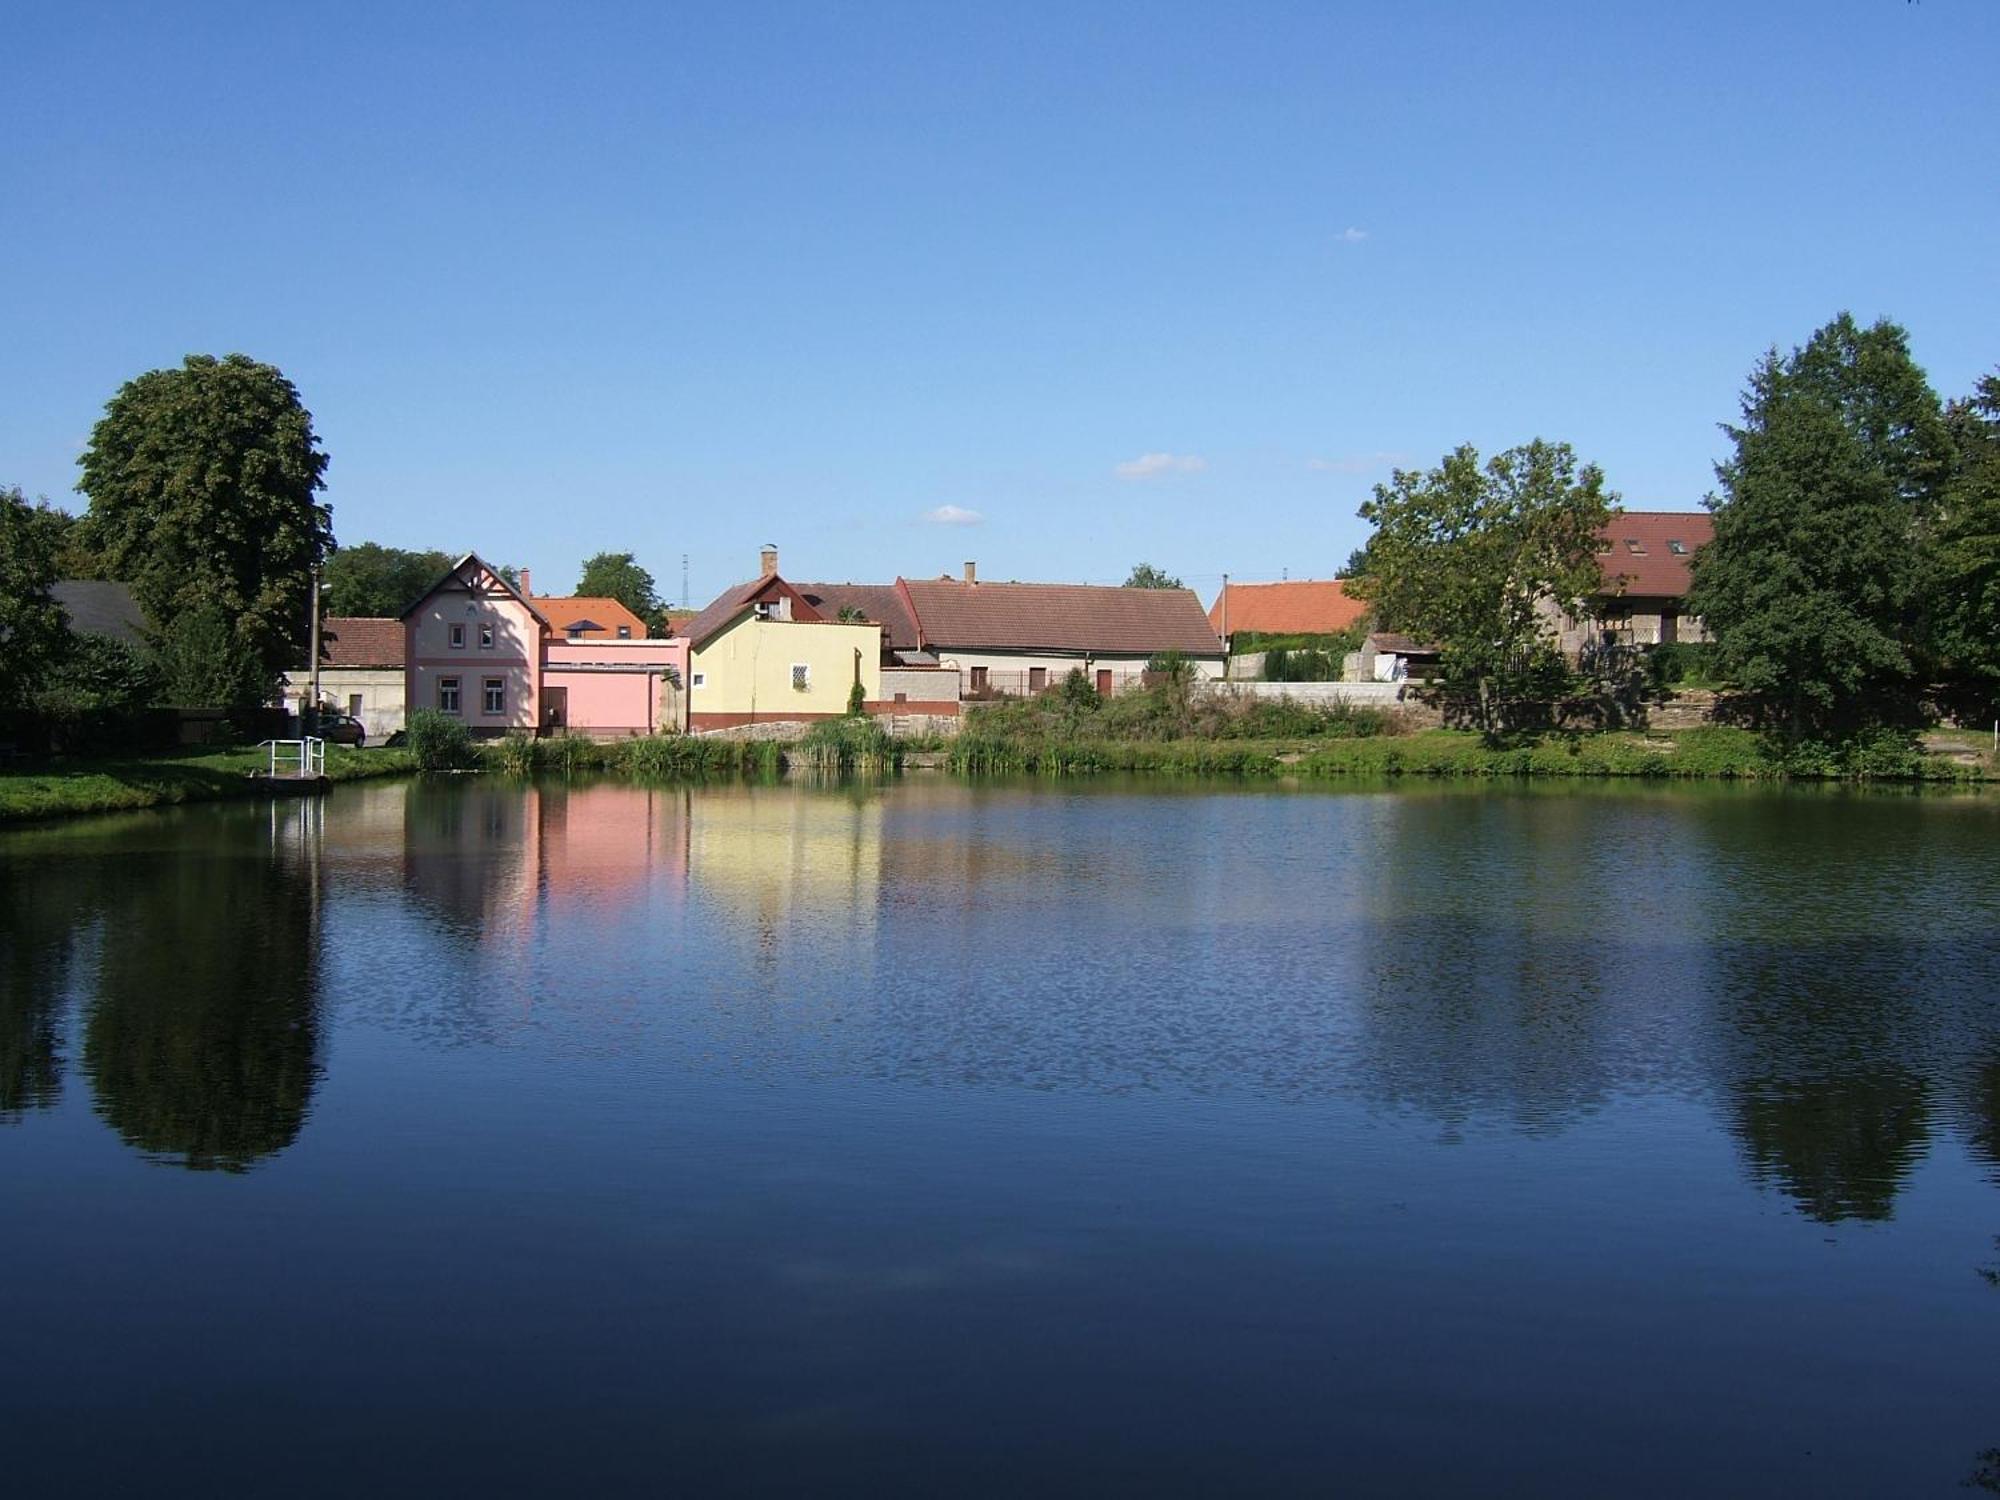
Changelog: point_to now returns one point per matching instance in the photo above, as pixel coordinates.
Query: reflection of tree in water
(1840, 1147)
(40, 925)
(202, 1042)
(1983, 1114)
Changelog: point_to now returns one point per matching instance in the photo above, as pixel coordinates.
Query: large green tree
(1966, 558)
(1469, 555)
(33, 632)
(1814, 586)
(617, 575)
(1146, 576)
(201, 483)
(369, 579)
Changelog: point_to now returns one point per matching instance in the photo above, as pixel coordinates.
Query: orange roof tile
(601, 616)
(1307, 607)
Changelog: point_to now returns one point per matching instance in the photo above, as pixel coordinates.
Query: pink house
(479, 650)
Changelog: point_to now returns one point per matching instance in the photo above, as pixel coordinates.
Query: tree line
(203, 487)
(1854, 577)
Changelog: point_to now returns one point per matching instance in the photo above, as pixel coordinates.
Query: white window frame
(458, 637)
(485, 637)
(802, 676)
(450, 696)
(493, 695)
(698, 679)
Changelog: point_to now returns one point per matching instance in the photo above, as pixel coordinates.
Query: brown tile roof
(602, 615)
(1307, 607)
(881, 602)
(952, 615)
(360, 641)
(1642, 559)
(730, 603)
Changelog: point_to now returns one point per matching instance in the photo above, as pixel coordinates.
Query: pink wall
(616, 687)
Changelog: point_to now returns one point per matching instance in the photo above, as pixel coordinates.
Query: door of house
(555, 707)
(1104, 682)
(1670, 627)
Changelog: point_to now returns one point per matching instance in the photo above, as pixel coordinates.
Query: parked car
(341, 729)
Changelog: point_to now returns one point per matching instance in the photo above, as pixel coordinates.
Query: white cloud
(1352, 236)
(953, 515)
(1360, 463)
(1152, 465)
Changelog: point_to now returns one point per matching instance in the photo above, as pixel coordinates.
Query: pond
(936, 1138)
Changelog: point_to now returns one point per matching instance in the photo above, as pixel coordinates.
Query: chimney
(768, 557)
(972, 572)
(527, 584)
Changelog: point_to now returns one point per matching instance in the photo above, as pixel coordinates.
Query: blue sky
(1157, 282)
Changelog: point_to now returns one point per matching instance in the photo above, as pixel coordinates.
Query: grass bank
(1715, 752)
(57, 789)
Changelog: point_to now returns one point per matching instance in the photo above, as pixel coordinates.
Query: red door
(1104, 682)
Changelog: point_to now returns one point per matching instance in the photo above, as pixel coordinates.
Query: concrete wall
(745, 674)
(1012, 671)
(515, 657)
(381, 690)
(1318, 694)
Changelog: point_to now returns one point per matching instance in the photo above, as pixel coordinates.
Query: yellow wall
(747, 669)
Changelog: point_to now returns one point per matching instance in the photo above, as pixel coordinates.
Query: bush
(438, 742)
(514, 754)
(857, 702)
(1682, 664)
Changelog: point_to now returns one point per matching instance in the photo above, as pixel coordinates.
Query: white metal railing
(297, 760)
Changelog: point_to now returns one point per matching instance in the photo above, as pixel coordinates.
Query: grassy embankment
(81, 786)
(1148, 734)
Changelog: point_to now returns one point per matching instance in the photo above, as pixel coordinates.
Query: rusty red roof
(1306, 607)
(1075, 617)
(880, 602)
(599, 615)
(730, 603)
(1650, 550)
(360, 641)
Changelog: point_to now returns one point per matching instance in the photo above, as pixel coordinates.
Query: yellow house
(761, 654)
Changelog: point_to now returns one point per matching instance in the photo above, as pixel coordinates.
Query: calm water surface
(940, 1139)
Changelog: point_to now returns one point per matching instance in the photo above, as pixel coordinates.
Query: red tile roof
(359, 641)
(952, 615)
(1643, 560)
(603, 616)
(1307, 607)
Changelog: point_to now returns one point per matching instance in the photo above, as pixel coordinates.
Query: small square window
(1634, 546)
(458, 637)
(801, 676)
(448, 695)
(486, 638)
(496, 695)
(1678, 548)
(624, 632)
(700, 679)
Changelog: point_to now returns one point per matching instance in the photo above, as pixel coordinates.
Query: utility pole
(313, 660)
(1225, 625)
(685, 603)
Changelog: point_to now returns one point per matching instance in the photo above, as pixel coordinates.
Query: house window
(801, 676)
(458, 637)
(576, 632)
(448, 695)
(624, 632)
(699, 679)
(496, 695)
(1678, 548)
(1634, 546)
(486, 638)
(979, 679)
(353, 705)
(1038, 678)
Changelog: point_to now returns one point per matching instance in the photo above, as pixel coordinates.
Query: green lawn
(58, 787)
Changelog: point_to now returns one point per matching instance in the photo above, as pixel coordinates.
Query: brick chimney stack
(768, 557)
(972, 572)
(527, 584)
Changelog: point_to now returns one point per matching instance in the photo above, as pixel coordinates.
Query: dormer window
(1634, 546)
(576, 632)
(1678, 548)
